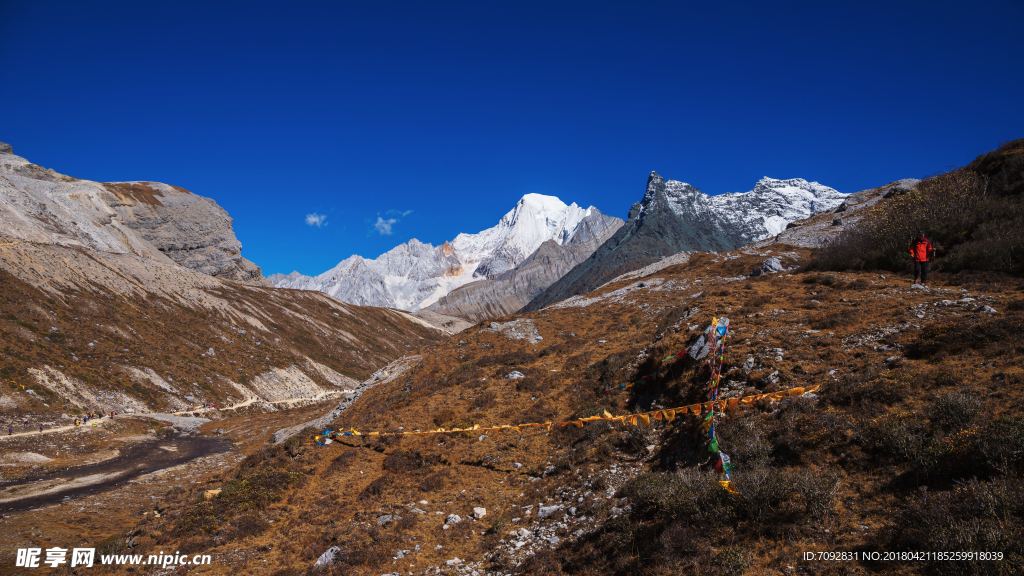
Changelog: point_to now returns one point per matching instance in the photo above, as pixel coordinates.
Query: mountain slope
(675, 217)
(92, 330)
(814, 472)
(148, 219)
(414, 275)
(97, 313)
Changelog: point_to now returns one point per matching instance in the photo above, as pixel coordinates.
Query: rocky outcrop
(676, 217)
(510, 291)
(192, 230)
(146, 219)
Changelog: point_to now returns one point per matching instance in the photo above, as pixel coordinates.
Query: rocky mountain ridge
(675, 217)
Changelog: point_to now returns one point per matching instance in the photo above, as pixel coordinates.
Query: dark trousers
(921, 269)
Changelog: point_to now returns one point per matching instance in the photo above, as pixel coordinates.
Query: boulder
(479, 513)
(327, 558)
(545, 511)
(387, 519)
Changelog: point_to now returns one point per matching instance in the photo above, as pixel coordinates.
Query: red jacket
(922, 250)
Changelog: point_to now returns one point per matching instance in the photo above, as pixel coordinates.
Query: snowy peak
(535, 219)
(414, 275)
(738, 218)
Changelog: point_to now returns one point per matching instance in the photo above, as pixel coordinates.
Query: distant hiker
(26, 422)
(922, 251)
(10, 430)
(40, 427)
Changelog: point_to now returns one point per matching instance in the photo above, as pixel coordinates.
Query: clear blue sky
(453, 111)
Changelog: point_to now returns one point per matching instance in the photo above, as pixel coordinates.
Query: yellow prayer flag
(656, 415)
(670, 415)
(645, 419)
(607, 415)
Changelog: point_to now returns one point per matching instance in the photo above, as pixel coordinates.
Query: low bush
(689, 496)
(954, 411)
(378, 486)
(404, 462)
(833, 319)
(818, 490)
(975, 516)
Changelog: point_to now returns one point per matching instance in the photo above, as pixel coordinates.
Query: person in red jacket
(922, 251)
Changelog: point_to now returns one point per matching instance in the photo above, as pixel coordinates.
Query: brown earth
(920, 394)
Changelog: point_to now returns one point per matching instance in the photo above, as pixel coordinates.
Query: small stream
(134, 461)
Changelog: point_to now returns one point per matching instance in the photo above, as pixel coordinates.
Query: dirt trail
(96, 422)
(135, 460)
(321, 396)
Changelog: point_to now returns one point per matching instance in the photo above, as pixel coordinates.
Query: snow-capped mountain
(675, 217)
(746, 217)
(414, 275)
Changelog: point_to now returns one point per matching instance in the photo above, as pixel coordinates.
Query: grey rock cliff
(143, 218)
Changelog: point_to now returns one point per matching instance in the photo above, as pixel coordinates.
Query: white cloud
(402, 213)
(317, 220)
(384, 226)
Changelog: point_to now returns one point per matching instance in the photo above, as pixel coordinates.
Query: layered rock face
(147, 219)
(675, 217)
(511, 290)
(413, 276)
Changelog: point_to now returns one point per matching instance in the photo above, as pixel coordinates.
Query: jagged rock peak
(6, 148)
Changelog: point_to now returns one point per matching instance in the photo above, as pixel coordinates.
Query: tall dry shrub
(948, 207)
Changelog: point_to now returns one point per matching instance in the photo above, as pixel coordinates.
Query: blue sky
(332, 128)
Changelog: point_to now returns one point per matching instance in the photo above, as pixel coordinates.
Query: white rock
(514, 375)
(453, 519)
(327, 558)
(545, 511)
(479, 513)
